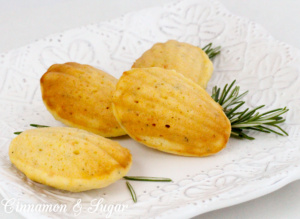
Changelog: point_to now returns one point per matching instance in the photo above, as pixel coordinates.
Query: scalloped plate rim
(292, 176)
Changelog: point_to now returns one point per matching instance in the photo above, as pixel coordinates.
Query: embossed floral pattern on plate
(243, 170)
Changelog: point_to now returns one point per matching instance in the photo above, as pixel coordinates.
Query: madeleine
(164, 110)
(80, 96)
(189, 60)
(68, 158)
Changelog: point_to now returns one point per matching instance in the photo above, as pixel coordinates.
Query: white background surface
(23, 21)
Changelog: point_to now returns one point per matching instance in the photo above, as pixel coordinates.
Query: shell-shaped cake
(164, 110)
(68, 158)
(189, 60)
(80, 96)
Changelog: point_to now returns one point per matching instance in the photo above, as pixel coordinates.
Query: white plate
(242, 171)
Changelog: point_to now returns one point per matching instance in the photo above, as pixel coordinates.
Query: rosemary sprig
(149, 179)
(132, 192)
(230, 100)
(142, 178)
(211, 52)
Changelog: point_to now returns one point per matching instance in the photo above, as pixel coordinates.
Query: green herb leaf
(39, 126)
(132, 192)
(211, 52)
(150, 179)
(33, 125)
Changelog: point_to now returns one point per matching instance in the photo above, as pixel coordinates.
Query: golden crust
(189, 60)
(80, 96)
(167, 111)
(68, 158)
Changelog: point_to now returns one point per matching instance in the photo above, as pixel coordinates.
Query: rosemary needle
(211, 52)
(33, 125)
(149, 179)
(38, 126)
(132, 192)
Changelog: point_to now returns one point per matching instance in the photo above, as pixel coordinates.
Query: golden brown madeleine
(189, 60)
(68, 158)
(167, 111)
(81, 96)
